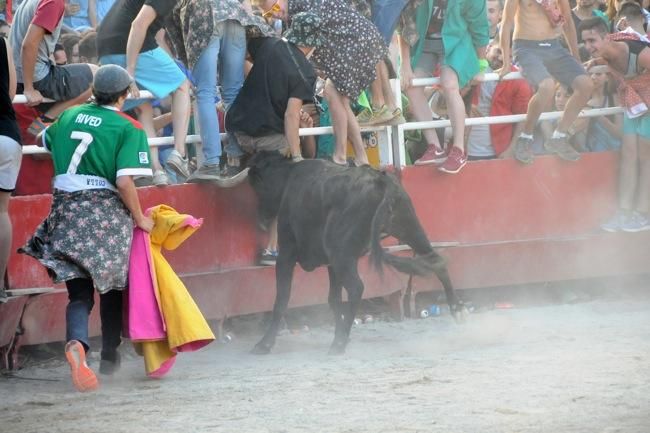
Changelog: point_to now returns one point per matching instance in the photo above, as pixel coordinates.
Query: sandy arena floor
(558, 368)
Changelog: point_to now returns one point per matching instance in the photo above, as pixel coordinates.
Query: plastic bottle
(430, 311)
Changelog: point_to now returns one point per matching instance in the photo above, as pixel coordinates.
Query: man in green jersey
(85, 240)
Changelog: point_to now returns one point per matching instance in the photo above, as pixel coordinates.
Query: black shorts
(546, 59)
(63, 83)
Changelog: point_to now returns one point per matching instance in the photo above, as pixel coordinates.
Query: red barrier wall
(513, 224)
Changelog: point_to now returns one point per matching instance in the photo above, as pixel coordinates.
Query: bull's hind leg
(349, 277)
(284, 267)
(456, 306)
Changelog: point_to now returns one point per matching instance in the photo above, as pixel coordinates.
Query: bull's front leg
(349, 277)
(335, 300)
(285, 265)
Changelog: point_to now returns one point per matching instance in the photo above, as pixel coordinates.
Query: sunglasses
(274, 10)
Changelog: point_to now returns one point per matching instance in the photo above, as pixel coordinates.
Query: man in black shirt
(127, 37)
(266, 113)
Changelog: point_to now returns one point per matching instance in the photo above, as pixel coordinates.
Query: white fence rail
(392, 150)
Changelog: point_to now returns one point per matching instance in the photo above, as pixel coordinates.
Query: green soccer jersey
(93, 145)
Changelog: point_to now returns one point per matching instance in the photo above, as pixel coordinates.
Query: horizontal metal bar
(144, 94)
(513, 118)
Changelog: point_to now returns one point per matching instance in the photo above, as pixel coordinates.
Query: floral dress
(193, 25)
(352, 45)
(86, 235)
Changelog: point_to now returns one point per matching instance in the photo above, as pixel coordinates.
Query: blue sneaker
(636, 223)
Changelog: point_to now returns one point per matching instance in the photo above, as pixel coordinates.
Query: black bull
(331, 215)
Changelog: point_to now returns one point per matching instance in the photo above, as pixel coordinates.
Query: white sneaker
(637, 222)
(179, 164)
(160, 178)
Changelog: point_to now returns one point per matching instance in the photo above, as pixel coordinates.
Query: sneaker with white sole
(433, 155)
(616, 222)
(454, 162)
(562, 147)
(83, 378)
(207, 172)
(178, 164)
(268, 257)
(523, 151)
(160, 178)
(636, 222)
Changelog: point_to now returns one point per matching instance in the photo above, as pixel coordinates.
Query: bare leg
(386, 89)
(455, 105)
(145, 117)
(5, 234)
(540, 101)
(354, 134)
(628, 174)
(419, 107)
(377, 90)
(643, 198)
(339, 121)
(583, 87)
(60, 107)
(181, 116)
(273, 235)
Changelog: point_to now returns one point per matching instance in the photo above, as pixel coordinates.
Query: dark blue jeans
(81, 296)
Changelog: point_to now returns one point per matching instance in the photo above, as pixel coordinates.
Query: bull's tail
(423, 265)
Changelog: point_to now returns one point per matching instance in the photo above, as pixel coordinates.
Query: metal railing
(393, 151)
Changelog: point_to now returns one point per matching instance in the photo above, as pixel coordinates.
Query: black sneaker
(562, 148)
(268, 257)
(232, 176)
(207, 172)
(110, 364)
(3, 295)
(523, 152)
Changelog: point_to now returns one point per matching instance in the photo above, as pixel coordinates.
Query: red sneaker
(455, 161)
(433, 155)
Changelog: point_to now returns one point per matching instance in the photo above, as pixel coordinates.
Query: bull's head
(401, 220)
(268, 176)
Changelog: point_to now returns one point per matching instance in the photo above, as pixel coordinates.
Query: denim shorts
(155, 71)
(433, 53)
(637, 126)
(544, 59)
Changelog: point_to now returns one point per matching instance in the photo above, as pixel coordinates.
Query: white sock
(528, 136)
(558, 134)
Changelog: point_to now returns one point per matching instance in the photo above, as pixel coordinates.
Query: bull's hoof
(460, 314)
(261, 349)
(337, 348)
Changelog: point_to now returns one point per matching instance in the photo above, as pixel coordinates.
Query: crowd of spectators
(195, 56)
